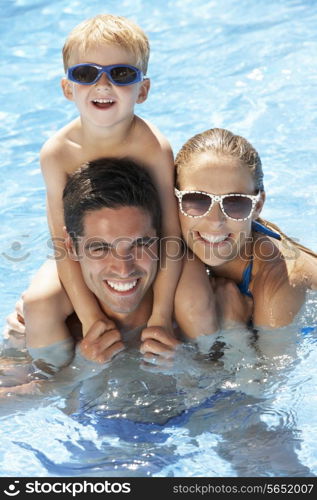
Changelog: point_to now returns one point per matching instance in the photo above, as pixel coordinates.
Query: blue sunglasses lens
(119, 75)
(84, 74)
(123, 75)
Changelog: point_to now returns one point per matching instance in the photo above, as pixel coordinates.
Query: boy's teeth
(103, 101)
(122, 287)
(213, 239)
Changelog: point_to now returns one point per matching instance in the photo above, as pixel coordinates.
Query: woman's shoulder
(282, 261)
(270, 269)
(279, 287)
(306, 270)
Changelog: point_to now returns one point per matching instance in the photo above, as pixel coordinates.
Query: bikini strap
(246, 279)
(247, 273)
(259, 228)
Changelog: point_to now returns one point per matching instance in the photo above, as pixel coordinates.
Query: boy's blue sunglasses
(118, 74)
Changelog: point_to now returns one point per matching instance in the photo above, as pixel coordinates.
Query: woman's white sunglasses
(235, 206)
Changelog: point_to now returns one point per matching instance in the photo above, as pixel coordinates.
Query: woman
(253, 268)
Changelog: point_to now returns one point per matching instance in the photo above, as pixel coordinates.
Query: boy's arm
(171, 243)
(83, 300)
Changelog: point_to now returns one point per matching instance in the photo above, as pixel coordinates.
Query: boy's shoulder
(61, 148)
(151, 141)
(145, 143)
(152, 131)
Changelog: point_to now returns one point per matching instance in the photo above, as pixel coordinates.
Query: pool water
(243, 65)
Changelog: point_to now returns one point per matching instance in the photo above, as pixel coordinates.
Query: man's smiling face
(118, 255)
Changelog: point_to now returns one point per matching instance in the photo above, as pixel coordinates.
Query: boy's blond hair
(107, 29)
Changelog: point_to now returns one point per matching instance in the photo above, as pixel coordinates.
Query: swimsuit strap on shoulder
(259, 228)
(246, 279)
(247, 273)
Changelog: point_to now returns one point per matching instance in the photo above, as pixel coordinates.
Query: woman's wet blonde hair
(222, 142)
(108, 30)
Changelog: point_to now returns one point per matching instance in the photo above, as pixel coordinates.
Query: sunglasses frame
(218, 199)
(105, 69)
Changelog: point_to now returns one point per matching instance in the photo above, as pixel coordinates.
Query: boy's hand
(101, 344)
(162, 323)
(233, 307)
(158, 346)
(109, 325)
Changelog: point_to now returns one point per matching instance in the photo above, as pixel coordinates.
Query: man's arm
(92, 355)
(14, 330)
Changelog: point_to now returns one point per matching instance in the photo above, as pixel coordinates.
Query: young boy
(105, 60)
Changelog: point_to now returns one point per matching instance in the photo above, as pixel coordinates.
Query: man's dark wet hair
(110, 183)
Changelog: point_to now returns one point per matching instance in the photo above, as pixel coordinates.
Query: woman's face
(215, 238)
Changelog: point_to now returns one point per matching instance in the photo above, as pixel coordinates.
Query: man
(112, 217)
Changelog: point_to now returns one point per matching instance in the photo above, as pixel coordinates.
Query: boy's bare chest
(138, 143)
(77, 155)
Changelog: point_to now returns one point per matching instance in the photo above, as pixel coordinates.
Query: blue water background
(249, 66)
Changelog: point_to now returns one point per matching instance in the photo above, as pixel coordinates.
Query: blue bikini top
(247, 274)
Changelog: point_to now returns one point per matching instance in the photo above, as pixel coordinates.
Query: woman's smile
(213, 238)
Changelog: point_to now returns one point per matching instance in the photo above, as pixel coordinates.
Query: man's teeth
(214, 239)
(122, 287)
(103, 101)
